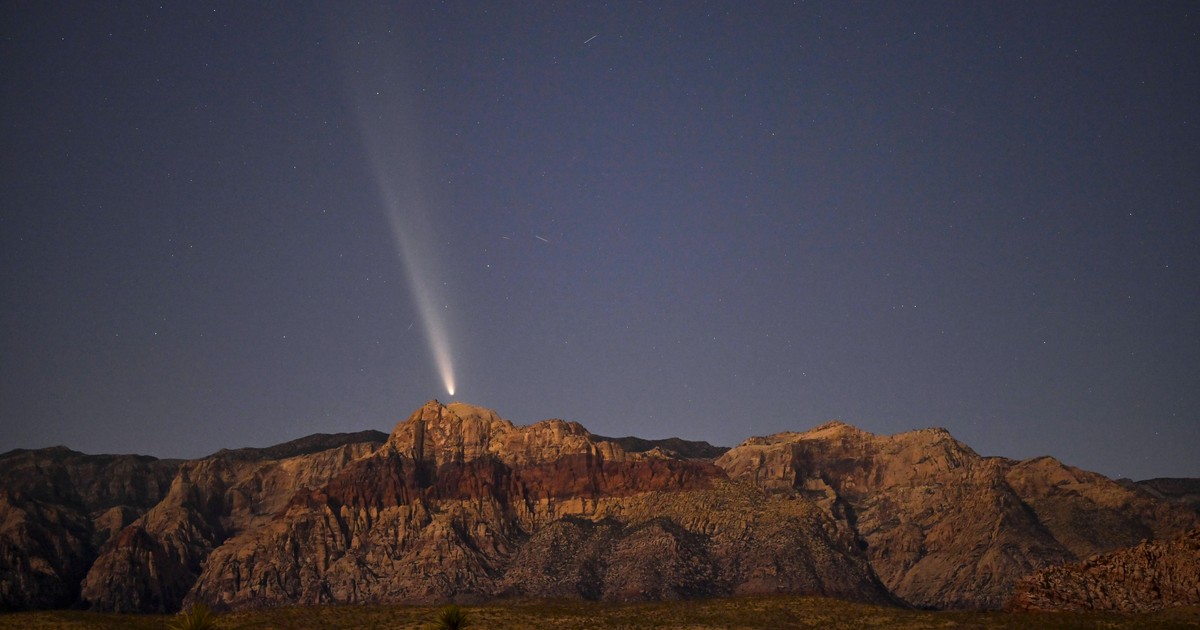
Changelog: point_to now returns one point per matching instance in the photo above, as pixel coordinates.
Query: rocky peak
(1090, 513)
(462, 432)
(834, 428)
(457, 433)
(925, 507)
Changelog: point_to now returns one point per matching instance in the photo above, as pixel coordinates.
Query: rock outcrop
(57, 508)
(1089, 513)
(942, 526)
(154, 561)
(463, 504)
(129, 532)
(1148, 577)
(457, 503)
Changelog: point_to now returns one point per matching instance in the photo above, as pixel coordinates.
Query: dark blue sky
(709, 220)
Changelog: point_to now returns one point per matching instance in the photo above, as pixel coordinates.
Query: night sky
(237, 224)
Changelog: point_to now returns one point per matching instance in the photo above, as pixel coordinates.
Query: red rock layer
(461, 503)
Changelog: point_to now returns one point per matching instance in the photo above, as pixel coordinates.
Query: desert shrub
(452, 617)
(199, 617)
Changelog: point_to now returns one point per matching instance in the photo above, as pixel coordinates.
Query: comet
(390, 129)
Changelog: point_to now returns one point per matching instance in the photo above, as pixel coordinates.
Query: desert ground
(760, 612)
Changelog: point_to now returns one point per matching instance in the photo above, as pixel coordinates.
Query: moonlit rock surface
(943, 526)
(1149, 577)
(460, 503)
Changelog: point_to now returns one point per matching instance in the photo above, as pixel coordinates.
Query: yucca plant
(452, 617)
(198, 617)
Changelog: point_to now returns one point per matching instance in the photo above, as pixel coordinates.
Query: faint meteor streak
(591, 38)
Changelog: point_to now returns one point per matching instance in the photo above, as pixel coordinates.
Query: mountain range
(459, 504)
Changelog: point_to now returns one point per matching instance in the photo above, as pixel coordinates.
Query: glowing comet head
(441, 352)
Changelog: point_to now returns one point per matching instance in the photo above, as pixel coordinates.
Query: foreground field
(770, 612)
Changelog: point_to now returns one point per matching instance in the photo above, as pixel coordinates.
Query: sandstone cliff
(153, 562)
(57, 507)
(457, 503)
(1089, 513)
(129, 532)
(942, 526)
(463, 504)
(1148, 577)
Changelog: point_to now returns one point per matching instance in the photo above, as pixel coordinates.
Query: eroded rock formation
(462, 504)
(1148, 577)
(459, 504)
(153, 563)
(57, 508)
(947, 528)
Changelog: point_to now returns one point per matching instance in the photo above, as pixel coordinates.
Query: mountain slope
(1172, 490)
(942, 526)
(457, 503)
(155, 561)
(461, 503)
(57, 507)
(1149, 577)
(65, 516)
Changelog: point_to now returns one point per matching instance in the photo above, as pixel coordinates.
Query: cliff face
(154, 561)
(1148, 577)
(458, 503)
(129, 533)
(57, 508)
(462, 504)
(1089, 513)
(942, 526)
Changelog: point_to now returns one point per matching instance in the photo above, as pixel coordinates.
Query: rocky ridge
(155, 561)
(457, 503)
(463, 504)
(1172, 490)
(687, 449)
(57, 507)
(127, 532)
(943, 526)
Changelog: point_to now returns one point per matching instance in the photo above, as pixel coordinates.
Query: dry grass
(763, 612)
